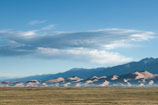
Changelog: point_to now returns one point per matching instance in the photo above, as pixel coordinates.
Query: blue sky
(50, 36)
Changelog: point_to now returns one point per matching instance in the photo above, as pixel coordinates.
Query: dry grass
(79, 96)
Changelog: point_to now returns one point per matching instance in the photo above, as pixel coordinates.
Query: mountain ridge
(150, 64)
(143, 78)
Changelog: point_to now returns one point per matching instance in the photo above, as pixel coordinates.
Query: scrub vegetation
(79, 96)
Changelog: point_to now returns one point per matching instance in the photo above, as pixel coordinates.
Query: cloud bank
(93, 46)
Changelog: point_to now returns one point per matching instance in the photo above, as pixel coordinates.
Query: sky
(51, 36)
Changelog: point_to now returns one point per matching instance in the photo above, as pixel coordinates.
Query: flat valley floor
(79, 96)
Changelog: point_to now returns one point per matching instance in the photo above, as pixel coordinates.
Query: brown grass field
(79, 96)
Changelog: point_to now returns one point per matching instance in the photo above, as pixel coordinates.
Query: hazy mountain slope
(150, 64)
(143, 78)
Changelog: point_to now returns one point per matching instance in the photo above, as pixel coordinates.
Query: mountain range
(141, 73)
(149, 64)
(143, 78)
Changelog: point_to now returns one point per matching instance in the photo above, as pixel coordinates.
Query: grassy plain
(79, 96)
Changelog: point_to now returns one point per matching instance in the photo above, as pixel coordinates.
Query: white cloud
(94, 46)
(143, 36)
(35, 22)
(118, 44)
(90, 55)
(28, 33)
